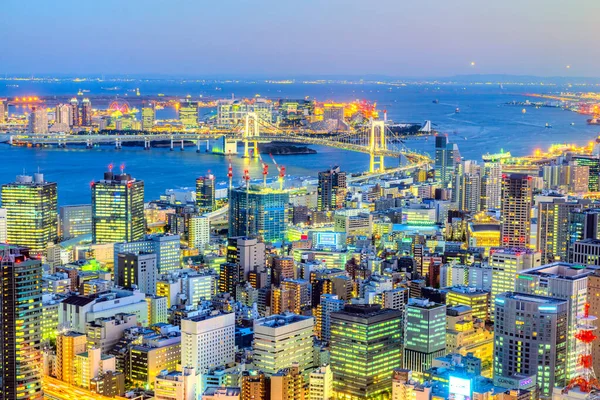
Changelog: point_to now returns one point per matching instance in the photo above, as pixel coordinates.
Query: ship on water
(593, 121)
(497, 157)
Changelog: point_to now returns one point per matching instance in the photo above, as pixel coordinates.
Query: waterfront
(484, 120)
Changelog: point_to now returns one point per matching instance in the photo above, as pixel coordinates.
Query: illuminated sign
(460, 388)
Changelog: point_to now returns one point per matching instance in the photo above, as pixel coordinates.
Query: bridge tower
(250, 130)
(376, 145)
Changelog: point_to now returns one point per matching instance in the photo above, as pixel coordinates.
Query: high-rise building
(288, 383)
(68, 345)
(331, 189)
(86, 112)
(208, 341)
(75, 221)
(138, 270)
(248, 253)
(282, 268)
(506, 264)
(447, 157)
(148, 117)
(553, 227)
(3, 110)
(478, 300)
(320, 385)
(199, 235)
(329, 304)
(64, 116)
(188, 114)
(366, 343)
(176, 385)
(117, 209)
(31, 212)
(517, 200)
(21, 330)
(205, 194)
(491, 186)
(593, 163)
(75, 116)
(530, 335)
(38, 120)
(255, 385)
(281, 340)
(166, 247)
(258, 212)
(469, 192)
(564, 281)
(583, 224)
(425, 335)
(3, 226)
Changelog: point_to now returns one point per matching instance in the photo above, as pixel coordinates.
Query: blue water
(484, 120)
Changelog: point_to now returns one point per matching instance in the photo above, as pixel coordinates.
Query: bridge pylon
(250, 130)
(376, 145)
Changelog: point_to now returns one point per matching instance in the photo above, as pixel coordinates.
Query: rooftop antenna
(110, 167)
(122, 168)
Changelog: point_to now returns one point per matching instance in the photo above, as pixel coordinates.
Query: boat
(593, 121)
(457, 110)
(524, 111)
(548, 125)
(436, 101)
(487, 157)
(572, 123)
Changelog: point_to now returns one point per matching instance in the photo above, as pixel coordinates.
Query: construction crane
(247, 179)
(281, 170)
(265, 170)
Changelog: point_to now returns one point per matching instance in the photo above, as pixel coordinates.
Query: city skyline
(426, 39)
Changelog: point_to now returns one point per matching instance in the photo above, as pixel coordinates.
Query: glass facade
(31, 216)
(261, 212)
(205, 194)
(117, 209)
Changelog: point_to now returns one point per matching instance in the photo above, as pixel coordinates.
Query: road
(59, 390)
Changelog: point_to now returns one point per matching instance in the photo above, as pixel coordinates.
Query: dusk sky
(303, 37)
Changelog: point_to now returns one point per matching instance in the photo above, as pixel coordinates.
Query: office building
(21, 333)
(320, 384)
(75, 221)
(166, 247)
(425, 335)
(593, 164)
(517, 200)
(469, 192)
(530, 335)
(248, 253)
(586, 252)
(221, 393)
(258, 212)
(506, 264)
(31, 212)
(205, 194)
(365, 347)
(3, 225)
(563, 281)
(478, 300)
(68, 345)
(157, 352)
(157, 309)
(208, 341)
(329, 304)
(282, 268)
(3, 110)
(86, 112)
(176, 385)
(92, 364)
(331, 189)
(447, 157)
(281, 340)
(148, 117)
(491, 186)
(117, 209)
(188, 114)
(38, 120)
(137, 270)
(106, 331)
(553, 234)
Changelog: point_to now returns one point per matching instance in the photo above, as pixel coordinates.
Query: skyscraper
(425, 335)
(331, 189)
(2, 110)
(68, 345)
(86, 112)
(148, 117)
(561, 281)
(517, 199)
(506, 264)
(188, 114)
(117, 209)
(30, 204)
(38, 120)
(258, 212)
(75, 116)
(64, 116)
(593, 162)
(75, 221)
(447, 157)
(21, 331)
(137, 269)
(491, 186)
(205, 193)
(329, 304)
(3, 231)
(530, 339)
(365, 347)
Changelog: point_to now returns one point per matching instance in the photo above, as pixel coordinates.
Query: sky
(287, 38)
